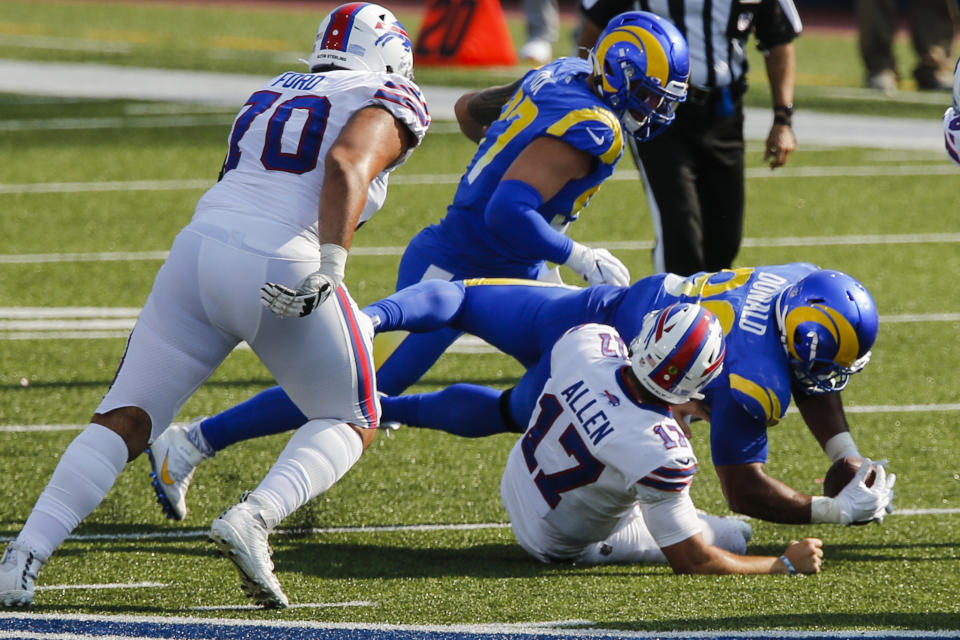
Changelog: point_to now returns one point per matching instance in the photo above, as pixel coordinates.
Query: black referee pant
(693, 174)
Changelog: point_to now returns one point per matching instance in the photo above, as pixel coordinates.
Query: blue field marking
(73, 627)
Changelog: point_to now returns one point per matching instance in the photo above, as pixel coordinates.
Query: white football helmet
(364, 37)
(679, 350)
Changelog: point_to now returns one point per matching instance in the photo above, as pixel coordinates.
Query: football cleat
(173, 459)
(240, 534)
(18, 572)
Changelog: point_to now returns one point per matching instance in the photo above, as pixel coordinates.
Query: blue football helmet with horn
(828, 322)
(642, 66)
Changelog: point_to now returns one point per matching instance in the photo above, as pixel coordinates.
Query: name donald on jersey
(595, 424)
(756, 306)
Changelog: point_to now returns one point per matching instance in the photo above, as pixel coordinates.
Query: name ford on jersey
(300, 81)
(756, 306)
(592, 419)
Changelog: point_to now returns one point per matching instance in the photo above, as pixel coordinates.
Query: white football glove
(857, 503)
(312, 291)
(597, 266)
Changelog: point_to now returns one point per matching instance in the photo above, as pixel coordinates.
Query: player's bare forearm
(694, 556)
(750, 491)
(371, 142)
(476, 110)
(823, 415)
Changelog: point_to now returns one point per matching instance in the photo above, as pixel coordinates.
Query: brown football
(841, 473)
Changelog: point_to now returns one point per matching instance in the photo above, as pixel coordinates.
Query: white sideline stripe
(119, 122)
(426, 179)
(513, 629)
(68, 312)
(83, 187)
(614, 245)
(109, 585)
(302, 605)
(57, 635)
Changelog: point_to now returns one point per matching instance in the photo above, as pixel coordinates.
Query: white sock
(82, 478)
(731, 534)
(319, 453)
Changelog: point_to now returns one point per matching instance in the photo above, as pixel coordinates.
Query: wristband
(783, 114)
(789, 565)
(839, 446)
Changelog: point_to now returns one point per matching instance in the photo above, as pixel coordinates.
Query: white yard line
(854, 171)
(614, 245)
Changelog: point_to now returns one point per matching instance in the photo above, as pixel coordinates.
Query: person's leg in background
(542, 26)
(720, 185)
(932, 31)
(668, 170)
(876, 23)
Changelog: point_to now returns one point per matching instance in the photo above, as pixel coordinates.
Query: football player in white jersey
(951, 119)
(603, 471)
(262, 261)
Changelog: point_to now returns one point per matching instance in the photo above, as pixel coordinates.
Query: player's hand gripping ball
(841, 473)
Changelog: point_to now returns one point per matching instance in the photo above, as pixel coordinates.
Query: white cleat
(536, 51)
(173, 458)
(18, 572)
(240, 534)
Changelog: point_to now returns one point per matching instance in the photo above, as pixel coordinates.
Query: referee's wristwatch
(783, 114)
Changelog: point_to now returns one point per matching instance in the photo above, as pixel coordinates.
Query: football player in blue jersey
(547, 142)
(791, 330)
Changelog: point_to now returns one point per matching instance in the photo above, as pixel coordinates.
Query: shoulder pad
(405, 101)
(593, 129)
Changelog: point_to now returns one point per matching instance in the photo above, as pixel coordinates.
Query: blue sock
(266, 413)
(466, 410)
(425, 306)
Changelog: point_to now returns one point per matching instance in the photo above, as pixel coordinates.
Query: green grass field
(902, 235)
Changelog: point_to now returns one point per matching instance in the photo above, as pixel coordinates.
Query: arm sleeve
(670, 517)
(511, 215)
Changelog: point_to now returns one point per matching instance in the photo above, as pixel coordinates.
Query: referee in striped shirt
(693, 173)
